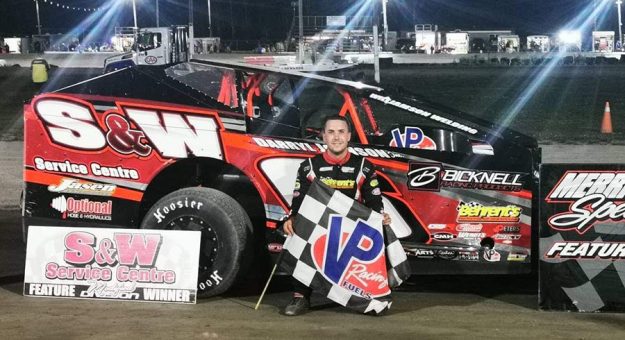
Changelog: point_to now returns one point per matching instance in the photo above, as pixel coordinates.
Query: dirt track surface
(419, 312)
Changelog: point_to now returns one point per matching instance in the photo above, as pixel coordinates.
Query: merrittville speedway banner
(582, 237)
(112, 264)
(339, 250)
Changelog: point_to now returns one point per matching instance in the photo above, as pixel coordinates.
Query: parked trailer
(603, 41)
(538, 43)
(457, 42)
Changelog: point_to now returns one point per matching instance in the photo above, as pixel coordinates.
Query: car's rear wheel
(225, 231)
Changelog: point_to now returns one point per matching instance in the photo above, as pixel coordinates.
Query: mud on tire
(225, 231)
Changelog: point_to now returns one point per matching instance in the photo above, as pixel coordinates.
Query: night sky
(271, 19)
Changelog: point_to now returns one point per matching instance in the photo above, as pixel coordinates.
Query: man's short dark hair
(336, 117)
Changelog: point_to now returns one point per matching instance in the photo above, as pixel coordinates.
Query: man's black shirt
(353, 175)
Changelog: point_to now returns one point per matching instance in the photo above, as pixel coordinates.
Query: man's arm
(371, 192)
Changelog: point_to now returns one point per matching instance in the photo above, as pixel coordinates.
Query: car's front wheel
(225, 231)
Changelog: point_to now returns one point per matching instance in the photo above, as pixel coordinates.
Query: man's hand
(288, 227)
(386, 219)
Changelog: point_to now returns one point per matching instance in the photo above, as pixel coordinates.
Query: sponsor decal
(433, 176)
(355, 260)
(468, 256)
(437, 226)
(424, 176)
(274, 247)
(120, 264)
(491, 255)
(338, 183)
(62, 167)
(71, 123)
(113, 172)
(511, 237)
(516, 257)
(347, 169)
(443, 236)
(411, 138)
(469, 227)
(326, 168)
(446, 254)
(446, 121)
(512, 229)
(420, 252)
(82, 169)
(74, 186)
(593, 196)
(476, 212)
(162, 212)
(468, 235)
(318, 147)
(150, 60)
(82, 208)
(213, 280)
(587, 250)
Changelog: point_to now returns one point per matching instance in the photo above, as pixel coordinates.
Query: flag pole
(273, 271)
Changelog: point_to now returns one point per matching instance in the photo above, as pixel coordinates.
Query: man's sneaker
(297, 306)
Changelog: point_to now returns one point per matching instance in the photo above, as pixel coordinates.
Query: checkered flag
(339, 250)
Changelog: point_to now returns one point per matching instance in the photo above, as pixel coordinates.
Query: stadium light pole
(386, 24)
(134, 13)
(38, 21)
(300, 14)
(210, 25)
(620, 23)
(191, 45)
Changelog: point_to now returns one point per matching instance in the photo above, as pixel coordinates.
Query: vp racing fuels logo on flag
(353, 260)
(594, 196)
(433, 176)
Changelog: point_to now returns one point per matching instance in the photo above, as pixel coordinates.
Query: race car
(215, 146)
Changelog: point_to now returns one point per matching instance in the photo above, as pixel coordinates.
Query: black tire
(225, 228)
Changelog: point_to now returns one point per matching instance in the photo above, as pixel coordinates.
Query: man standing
(352, 175)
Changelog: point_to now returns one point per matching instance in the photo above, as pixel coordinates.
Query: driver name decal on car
(318, 147)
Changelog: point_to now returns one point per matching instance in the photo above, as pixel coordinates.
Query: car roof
(252, 67)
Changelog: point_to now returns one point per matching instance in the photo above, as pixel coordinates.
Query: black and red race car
(215, 146)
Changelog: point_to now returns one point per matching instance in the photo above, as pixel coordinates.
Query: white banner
(114, 264)
(338, 20)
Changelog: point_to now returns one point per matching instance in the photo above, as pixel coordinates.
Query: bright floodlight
(570, 37)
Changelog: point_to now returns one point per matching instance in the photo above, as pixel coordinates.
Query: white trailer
(457, 42)
(538, 43)
(508, 43)
(427, 39)
(603, 41)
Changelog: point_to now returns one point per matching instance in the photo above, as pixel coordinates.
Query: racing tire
(225, 228)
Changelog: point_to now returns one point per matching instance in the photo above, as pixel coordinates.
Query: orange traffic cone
(606, 124)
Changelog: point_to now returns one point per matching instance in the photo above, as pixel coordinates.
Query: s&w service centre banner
(112, 264)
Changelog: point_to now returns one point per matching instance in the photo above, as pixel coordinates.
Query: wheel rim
(209, 242)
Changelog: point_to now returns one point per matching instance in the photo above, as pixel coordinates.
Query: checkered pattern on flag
(339, 250)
